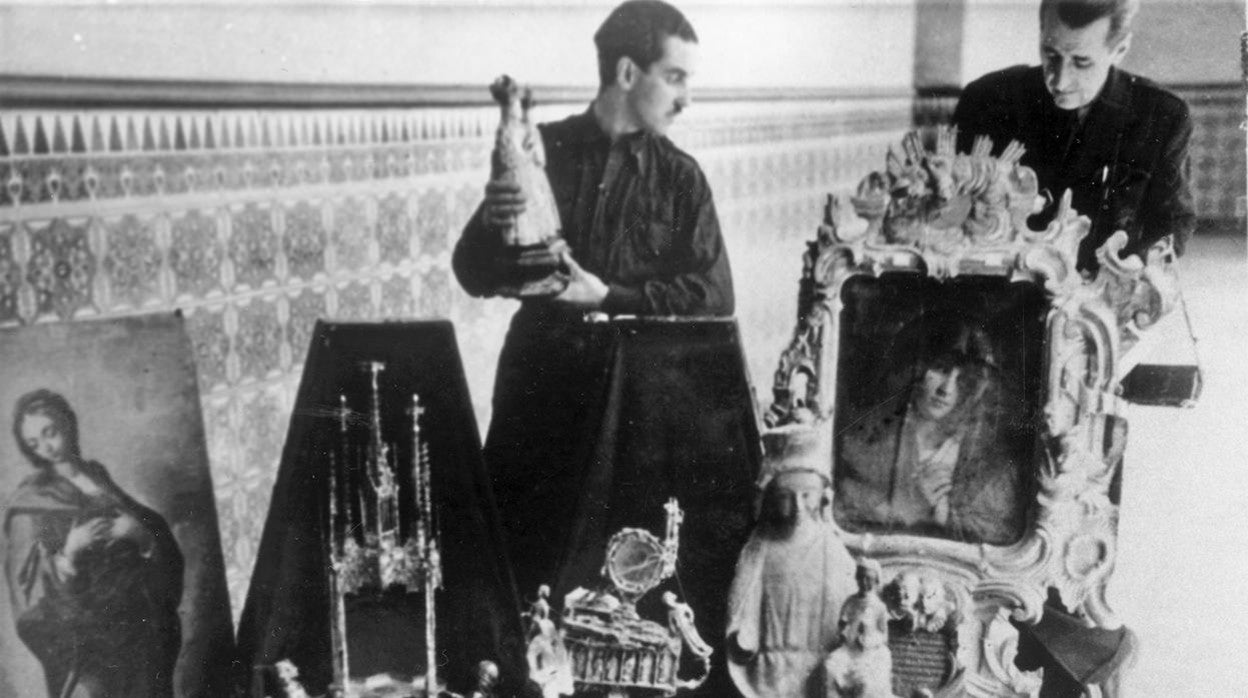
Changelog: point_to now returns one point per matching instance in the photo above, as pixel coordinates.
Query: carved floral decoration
(943, 214)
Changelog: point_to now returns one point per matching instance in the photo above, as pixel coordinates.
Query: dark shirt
(637, 213)
(1125, 162)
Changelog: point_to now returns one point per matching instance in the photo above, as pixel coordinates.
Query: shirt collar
(1116, 93)
(585, 129)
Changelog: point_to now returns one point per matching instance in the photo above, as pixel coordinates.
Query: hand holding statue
(504, 202)
(585, 291)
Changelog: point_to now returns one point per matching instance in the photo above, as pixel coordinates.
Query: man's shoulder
(1014, 78)
(1147, 93)
(564, 129)
(674, 157)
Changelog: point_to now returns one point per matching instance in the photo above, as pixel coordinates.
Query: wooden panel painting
(113, 575)
(938, 391)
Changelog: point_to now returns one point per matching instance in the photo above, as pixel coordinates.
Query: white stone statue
(862, 667)
(549, 665)
(792, 576)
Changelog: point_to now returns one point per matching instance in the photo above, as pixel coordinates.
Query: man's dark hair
(637, 29)
(1078, 14)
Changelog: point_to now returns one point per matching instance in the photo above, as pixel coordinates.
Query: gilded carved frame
(938, 213)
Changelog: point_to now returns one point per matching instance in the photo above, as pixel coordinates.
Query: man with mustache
(644, 239)
(1117, 141)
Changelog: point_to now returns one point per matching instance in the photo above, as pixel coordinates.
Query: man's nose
(1059, 77)
(684, 99)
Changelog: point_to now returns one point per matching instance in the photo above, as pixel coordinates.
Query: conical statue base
(532, 271)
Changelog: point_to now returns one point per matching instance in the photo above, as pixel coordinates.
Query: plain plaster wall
(794, 43)
(1174, 42)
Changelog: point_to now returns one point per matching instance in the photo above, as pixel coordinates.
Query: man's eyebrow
(678, 72)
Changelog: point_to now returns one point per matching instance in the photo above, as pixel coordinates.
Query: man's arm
(1167, 207)
(702, 282)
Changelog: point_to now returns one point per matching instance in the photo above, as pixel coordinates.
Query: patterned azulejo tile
(433, 223)
(253, 245)
(262, 430)
(195, 254)
(132, 261)
(394, 230)
(206, 328)
(397, 300)
(435, 294)
(305, 309)
(352, 236)
(258, 342)
(10, 276)
(304, 241)
(355, 302)
(61, 269)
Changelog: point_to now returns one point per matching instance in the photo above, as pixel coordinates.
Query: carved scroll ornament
(944, 215)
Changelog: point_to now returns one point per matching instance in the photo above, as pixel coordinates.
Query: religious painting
(112, 558)
(939, 387)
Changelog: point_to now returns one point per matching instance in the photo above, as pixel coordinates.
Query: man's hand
(584, 291)
(503, 202)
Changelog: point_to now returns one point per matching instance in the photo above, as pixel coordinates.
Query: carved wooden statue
(862, 665)
(792, 577)
(531, 243)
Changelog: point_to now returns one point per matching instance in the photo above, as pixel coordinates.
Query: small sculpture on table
(862, 666)
(793, 575)
(487, 680)
(616, 653)
(549, 666)
(530, 257)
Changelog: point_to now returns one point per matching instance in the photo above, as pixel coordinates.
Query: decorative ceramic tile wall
(255, 224)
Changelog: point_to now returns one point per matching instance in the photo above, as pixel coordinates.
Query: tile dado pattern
(255, 223)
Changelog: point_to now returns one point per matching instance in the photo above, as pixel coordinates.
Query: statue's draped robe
(783, 609)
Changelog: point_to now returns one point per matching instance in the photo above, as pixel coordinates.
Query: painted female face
(43, 436)
(939, 392)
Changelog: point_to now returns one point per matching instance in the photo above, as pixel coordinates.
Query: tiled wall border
(254, 220)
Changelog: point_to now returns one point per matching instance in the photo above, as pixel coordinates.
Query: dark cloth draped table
(287, 613)
(649, 409)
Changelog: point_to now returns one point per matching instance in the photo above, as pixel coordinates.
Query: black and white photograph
(623, 348)
(112, 566)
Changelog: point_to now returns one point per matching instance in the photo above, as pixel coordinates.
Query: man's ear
(626, 72)
(1120, 51)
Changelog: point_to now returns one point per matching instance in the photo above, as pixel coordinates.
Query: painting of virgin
(938, 437)
(112, 563)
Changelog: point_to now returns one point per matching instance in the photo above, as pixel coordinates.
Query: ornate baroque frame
(943, 214)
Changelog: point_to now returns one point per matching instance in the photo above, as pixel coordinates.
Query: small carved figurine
(902, 598)
(548, 661)
(934, 606)
(487, 679)
(863, 665)
(288, 676)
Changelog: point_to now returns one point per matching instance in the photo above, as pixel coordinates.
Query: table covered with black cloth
(287, 612)
(652, 409)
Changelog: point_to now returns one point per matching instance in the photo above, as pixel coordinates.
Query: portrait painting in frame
(113, 575)
(938, 394)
